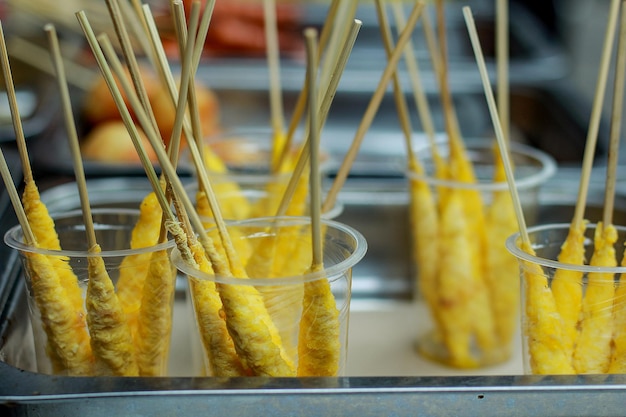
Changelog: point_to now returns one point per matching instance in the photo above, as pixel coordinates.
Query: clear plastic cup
(306, 313)
(463, 272)
(572, 315)
(65, 329)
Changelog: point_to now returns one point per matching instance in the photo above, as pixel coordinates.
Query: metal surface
(545, 114)
(25, 394)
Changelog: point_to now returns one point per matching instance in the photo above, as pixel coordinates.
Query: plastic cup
(572, 315)
(280, 293)
(57, 298)
(464, 274)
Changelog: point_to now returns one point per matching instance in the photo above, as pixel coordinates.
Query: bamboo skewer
(372, 108)
(502, 58)
(398, 93)
(596, 113)
(273, 65)
(242, 307)
(616, 124)
(70, 127)
(131, 59)
(327, 30)
(594, 345)
(451, 121)
(324, 108)
(421, 101)
(28, 52)
(546, 338)
(566, 285)
(493, 111)
(314, 139)
(319, 343)
(111, 339)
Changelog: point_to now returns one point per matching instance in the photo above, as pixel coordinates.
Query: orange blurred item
(110, 142)
(165, 112)
(98, 104)
(238, 28)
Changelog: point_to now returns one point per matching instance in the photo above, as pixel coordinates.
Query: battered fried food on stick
(592, 353)
(134, 268)
(543, 329)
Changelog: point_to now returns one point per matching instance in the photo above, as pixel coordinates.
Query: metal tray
(385, 376)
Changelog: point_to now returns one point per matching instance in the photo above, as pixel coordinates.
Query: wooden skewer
(29, 53)
(493, 111)
(372, 108)
(398, 93)
(616, 123)
(314, 138)
(165, 72)
(302, 97)
(345, 14)
(451, 121)
(131, 59)
(190, 65)
(187, 90)
(421, 101)
(596, 115)
(29, 237)
(273, 65)
(322, 116)
(125, 114)
(164, 161)
(502, 60)
(70, 126)
(195, 147)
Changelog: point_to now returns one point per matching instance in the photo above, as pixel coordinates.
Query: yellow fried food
(44, 230)
(134, 268)
(256, 338)
(154, 327)
(218, 345)
(592, 353)
(425, 228)
(319, 345)
(501, 268)
(203, 208)
(543, 326)
(462, 170)
(455, 285)
(66, 331)
(111, 339)
(618, 356)
(236, 206)
(567, 284)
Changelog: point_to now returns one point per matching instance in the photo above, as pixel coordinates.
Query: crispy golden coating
(567, 285)
(44, 230)
(319, 344)
(618, 356)
(218, 345)
(154, 327)
(66, 331)
(134, 268)
(455, 285)
(111, 339)
(425, 228)
(592, 353)
(544, 327)
(256, 338)
(502, 269)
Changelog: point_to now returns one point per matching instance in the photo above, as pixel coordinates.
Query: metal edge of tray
(26, 393)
